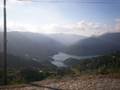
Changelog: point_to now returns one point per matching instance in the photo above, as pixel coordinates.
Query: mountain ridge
(105, 43)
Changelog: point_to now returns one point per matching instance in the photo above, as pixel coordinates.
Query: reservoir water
(58, 59)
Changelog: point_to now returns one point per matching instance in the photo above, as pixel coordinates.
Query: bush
(29, 75)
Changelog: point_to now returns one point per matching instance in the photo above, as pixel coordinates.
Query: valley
(51, 52)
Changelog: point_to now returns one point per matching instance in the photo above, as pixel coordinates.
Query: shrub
(30, 75)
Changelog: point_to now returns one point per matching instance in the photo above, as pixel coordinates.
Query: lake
(58, 59)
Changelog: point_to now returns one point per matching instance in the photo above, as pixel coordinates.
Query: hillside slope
(18, 63)
(31, 45)
(103, 44)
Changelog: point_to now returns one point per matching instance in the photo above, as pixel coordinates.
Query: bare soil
(100, 82)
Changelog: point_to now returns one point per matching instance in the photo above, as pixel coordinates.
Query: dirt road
(78, 83)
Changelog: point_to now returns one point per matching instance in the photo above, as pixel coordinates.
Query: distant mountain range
(96, 45)
(31, 46)
(41, 48)
(34, 45)
(67, 39)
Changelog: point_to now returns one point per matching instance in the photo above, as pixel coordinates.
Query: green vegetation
(24, 76)
(29, 75)
(107, 64)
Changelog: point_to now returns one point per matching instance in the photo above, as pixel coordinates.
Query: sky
(82, 17)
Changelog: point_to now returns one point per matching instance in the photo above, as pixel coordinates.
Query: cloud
(82, 27)
(11, 3)
(117, 26)
(19, 1)
(15, 26)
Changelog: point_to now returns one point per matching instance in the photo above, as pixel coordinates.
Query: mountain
(66, 39)
(17, 63)
(96, 45)
(41, 48)
(26, 44)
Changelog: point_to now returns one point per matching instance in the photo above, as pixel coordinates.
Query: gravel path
(79, 83)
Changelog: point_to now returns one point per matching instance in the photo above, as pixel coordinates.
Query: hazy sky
(86, 17)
